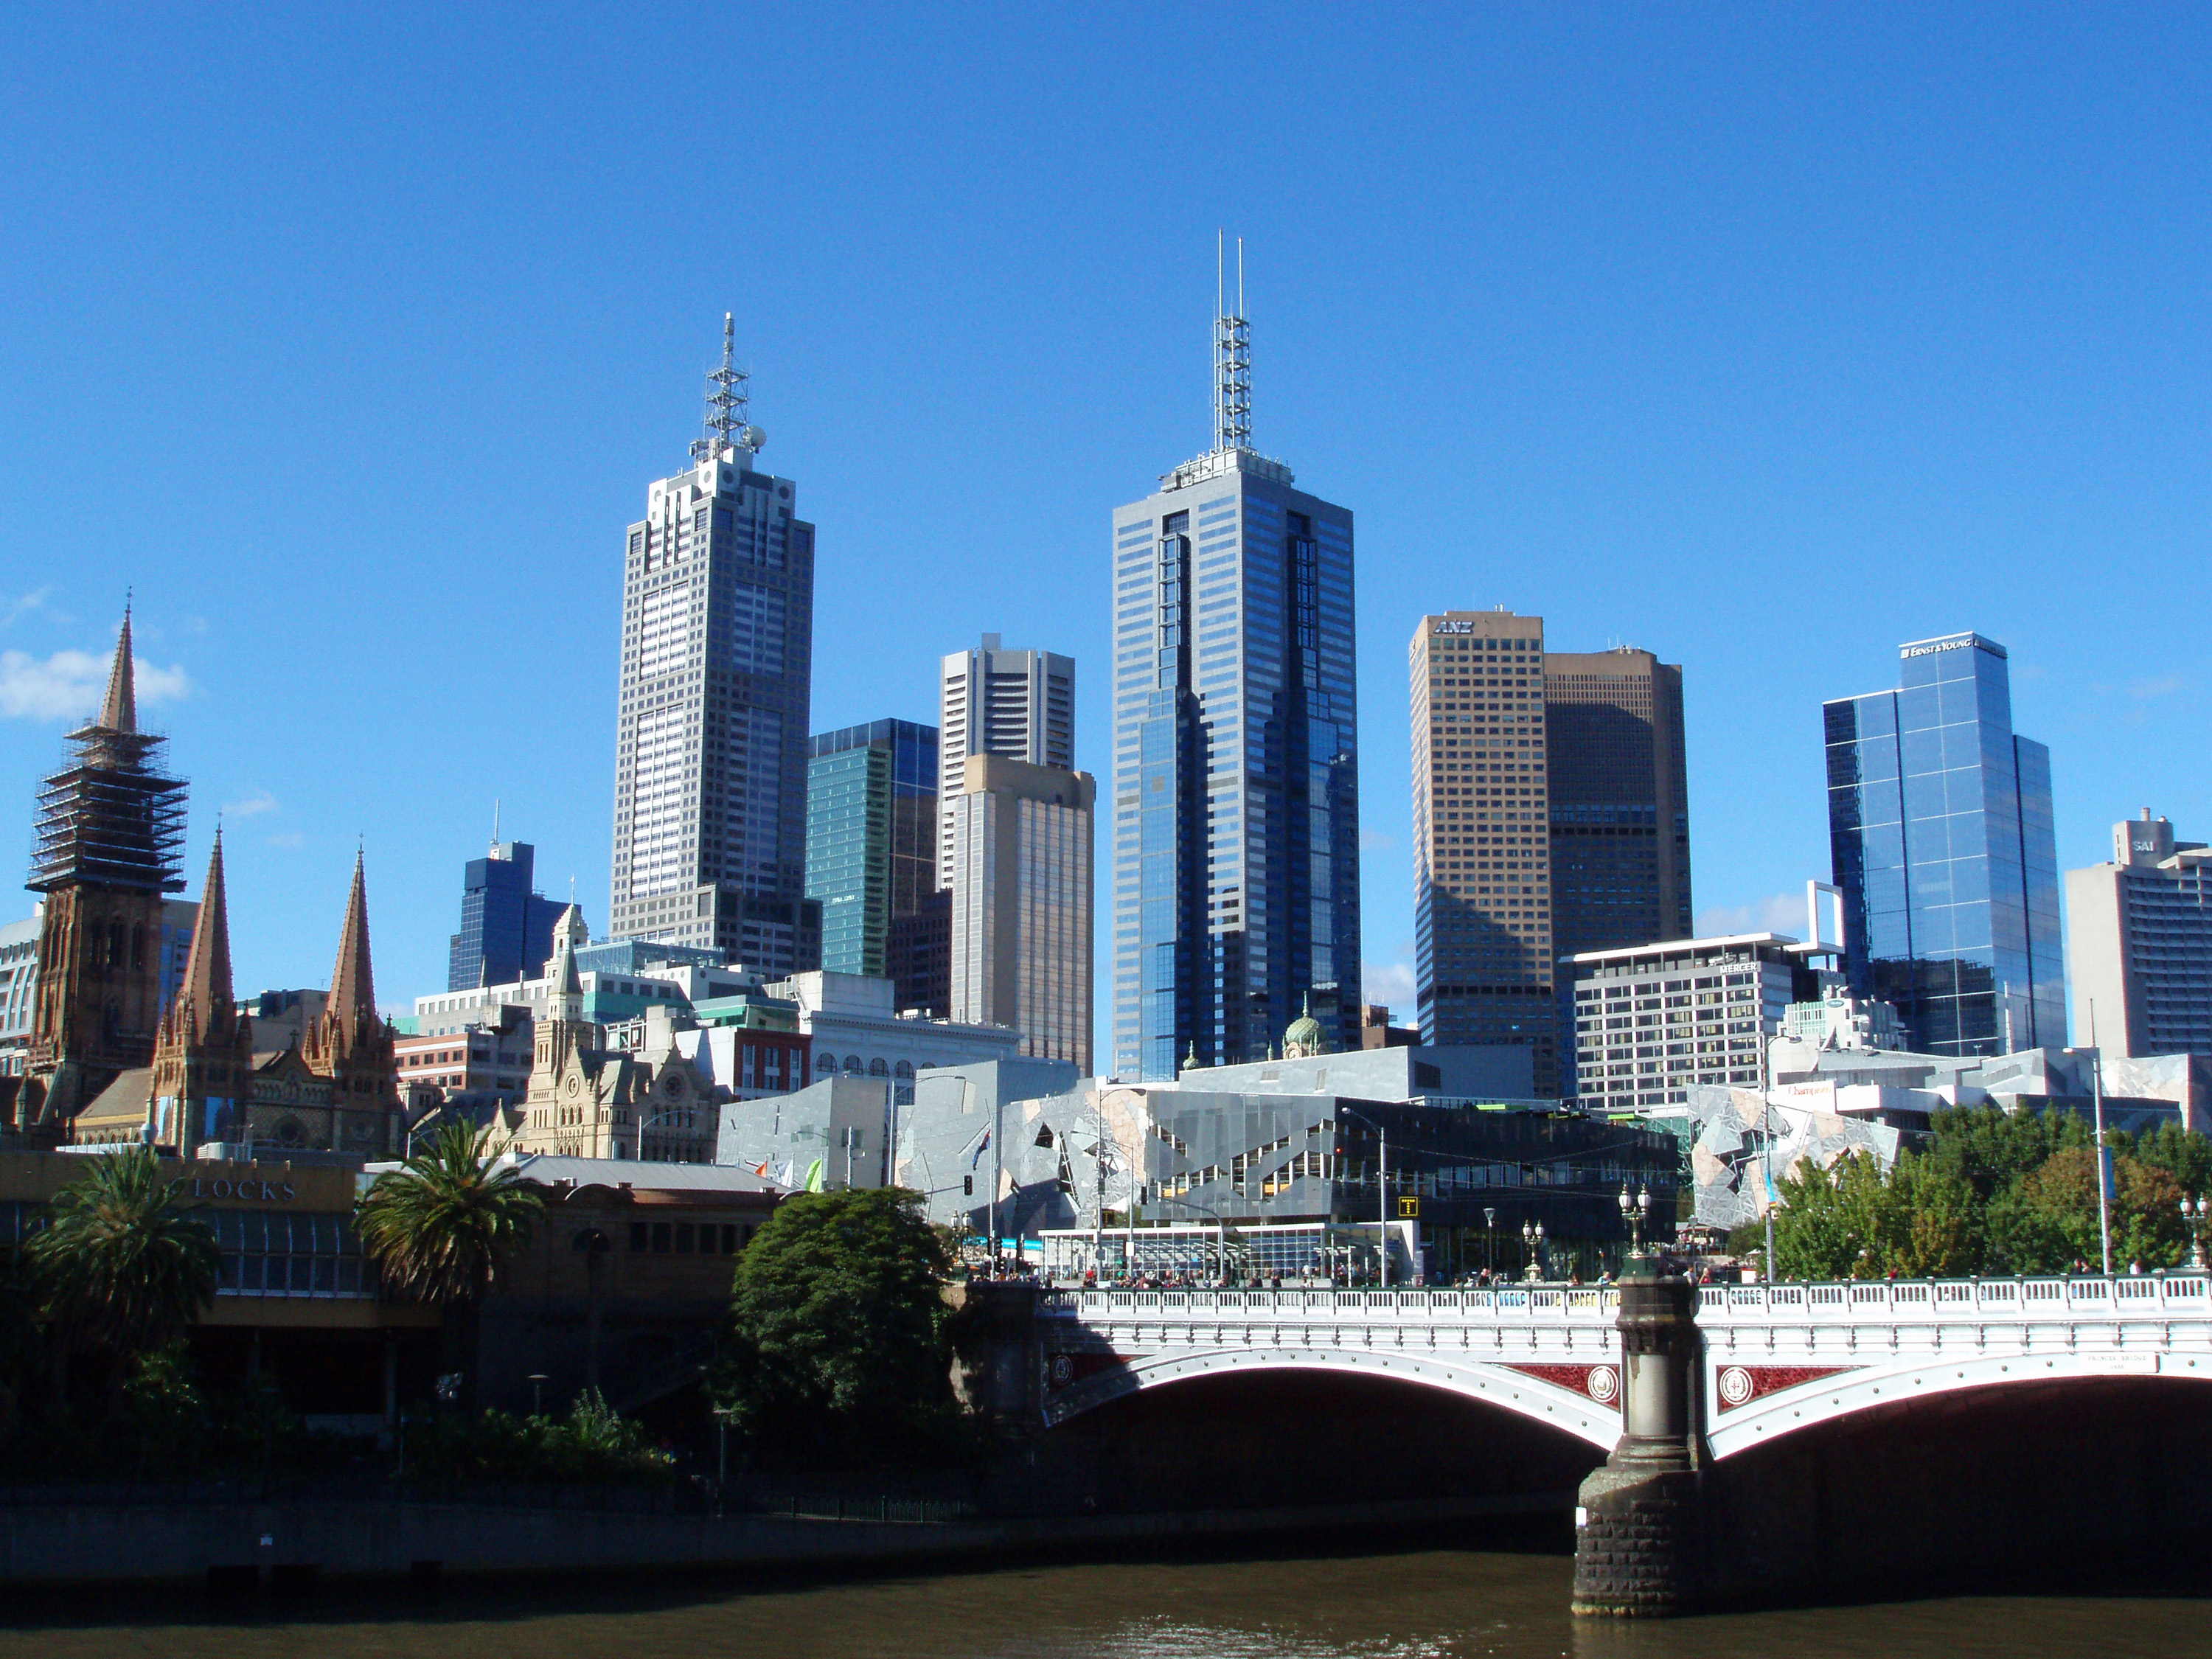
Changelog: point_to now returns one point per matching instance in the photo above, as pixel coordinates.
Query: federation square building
(1236, 782)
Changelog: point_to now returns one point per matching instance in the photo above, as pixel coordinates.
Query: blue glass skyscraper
(1940, 821)
(1235, 755)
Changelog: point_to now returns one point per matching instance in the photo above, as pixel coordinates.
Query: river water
(1441, 1602)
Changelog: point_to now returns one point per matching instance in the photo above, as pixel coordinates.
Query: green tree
(1930, 1222)
(1832, 1222)
(838, 1323)
(437, 1226)
(122, 1266)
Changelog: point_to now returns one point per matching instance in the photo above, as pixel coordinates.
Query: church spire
(118, 711)
(205, 996)
(353, 985)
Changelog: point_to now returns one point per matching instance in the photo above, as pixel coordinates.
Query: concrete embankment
(239, 1545)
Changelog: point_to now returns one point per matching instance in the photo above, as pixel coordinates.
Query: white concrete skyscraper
(711, 750)
(1235, 792)
(1018, 705)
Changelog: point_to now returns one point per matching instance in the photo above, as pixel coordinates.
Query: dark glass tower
(1940, 821)
(1236, 757)
(871, 838)
(507, 926)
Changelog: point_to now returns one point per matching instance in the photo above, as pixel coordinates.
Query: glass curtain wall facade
(1940, 827)
(871, 837)
(507, 926)
(1235, 767)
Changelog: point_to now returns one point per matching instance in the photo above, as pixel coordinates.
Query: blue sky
(1764, 337)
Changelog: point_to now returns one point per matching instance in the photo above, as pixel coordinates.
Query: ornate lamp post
(1532, 1238)
(2194, 1216)
(1635, 1212)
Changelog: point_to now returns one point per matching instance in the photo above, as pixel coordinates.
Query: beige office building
(1021, 868)
(1018, 705)
(1553, 819)
(2139, 943)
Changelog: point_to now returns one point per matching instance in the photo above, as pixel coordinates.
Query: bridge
(1956, 1396)
(1775, 1359)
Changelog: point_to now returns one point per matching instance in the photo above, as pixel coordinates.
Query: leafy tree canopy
(838, 1323)
(1992, 1193)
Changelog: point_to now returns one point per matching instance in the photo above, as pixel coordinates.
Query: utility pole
(1766, 1137)
(1382, 1202)
(2097, 1088)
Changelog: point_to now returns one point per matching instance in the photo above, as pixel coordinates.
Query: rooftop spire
(206, 992)
(118, 711)
(1232, 355)
(727, 396)
(353, 985)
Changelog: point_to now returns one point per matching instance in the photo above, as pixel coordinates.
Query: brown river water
(1454, 1602)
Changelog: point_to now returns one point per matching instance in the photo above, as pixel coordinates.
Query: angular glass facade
(1235, 767)
(1941, 828)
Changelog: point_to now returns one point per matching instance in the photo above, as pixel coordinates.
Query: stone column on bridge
(1640, 1526)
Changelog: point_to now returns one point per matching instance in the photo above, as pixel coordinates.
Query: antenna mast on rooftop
(1232, 355)
(728, 390)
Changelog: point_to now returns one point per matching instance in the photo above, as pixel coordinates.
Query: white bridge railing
(1883, 1301)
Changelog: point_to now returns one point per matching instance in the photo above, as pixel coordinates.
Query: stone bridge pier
(1640, 1532)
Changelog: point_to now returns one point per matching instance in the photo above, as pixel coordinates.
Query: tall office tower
(1023, 858)
(1019, 705)
(710, 752)
(1620, 801)
(1482, 940)
(1236, 755)
(111, 827)
(506, 925)
(871, 837)
(2139, 942)
(1940, 824)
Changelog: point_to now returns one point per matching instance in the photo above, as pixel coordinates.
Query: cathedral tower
(204, 1054)
(110, 832)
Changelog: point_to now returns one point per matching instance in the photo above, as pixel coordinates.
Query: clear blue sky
(1763, 338)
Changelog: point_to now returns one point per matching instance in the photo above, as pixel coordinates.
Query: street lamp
(1381, 1195)
(2194, 1217)
(1489, 1239)
(538, 1393)
(1532, 1238)
(1635, 1211)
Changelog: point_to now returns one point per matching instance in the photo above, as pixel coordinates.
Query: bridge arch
(1589, 1413)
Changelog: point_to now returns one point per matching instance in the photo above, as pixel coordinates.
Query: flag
(814, 1177)
(783, 1177)
(761, 1167)
(981, 1147)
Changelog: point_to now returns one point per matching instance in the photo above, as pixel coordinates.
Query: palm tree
(438, 1225)
(121, 1265)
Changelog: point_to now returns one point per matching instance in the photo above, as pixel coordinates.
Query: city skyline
(1964, 471)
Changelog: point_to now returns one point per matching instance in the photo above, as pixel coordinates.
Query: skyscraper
(1619, 800)
(710, 754)
(1550, 803)
(1939, 823)
(506, 924)
(1236, 755)
(871, 837)
(1023, 858)
(1482, 940)
(2139, 942)
(1019, 705)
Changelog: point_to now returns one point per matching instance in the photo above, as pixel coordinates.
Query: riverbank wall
(241, 1545)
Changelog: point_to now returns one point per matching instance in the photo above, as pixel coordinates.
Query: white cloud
(12, 609)
(288, 838)
(1374, 841)
(1391, 984)
(71, 683)
(2164, 686)
(253, 805)
(1778, 913)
